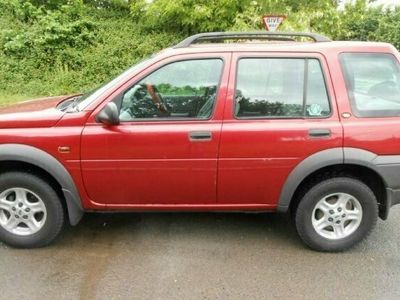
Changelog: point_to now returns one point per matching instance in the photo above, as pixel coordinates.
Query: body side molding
(47, 162)
(387, 166)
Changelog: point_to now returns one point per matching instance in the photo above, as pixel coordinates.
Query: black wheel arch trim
(307, 166)
(386, 166)
(47, 162)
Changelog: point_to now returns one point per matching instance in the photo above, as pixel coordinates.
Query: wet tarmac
(200, 256)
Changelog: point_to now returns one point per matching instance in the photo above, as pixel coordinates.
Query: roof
(250, 35)
(335, 46)
(273, 42)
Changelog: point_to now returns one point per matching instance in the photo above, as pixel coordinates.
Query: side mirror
(108, 115)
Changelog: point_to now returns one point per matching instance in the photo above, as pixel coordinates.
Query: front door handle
(197, 136)
(319, 132)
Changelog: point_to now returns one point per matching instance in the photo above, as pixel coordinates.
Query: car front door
(165, 149)
(279, 111)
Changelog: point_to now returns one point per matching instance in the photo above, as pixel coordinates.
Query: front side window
(280, 88)
(183, 89)
(373, 83)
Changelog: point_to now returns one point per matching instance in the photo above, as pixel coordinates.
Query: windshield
(89, 97)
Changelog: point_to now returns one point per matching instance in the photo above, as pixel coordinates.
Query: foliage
(72, 48)
(358, 21)
(192, 16)
(64, 46)
(187, 16)
(47, 35)
(389, 28)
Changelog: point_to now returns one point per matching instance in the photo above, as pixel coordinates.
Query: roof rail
(256, 35)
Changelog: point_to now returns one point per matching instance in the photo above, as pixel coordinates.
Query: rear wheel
(336, 214)
(31, 213)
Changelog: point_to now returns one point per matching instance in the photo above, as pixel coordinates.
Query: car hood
(32, 113)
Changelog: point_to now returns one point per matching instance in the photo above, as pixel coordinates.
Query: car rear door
(280, 109)
(153, 158)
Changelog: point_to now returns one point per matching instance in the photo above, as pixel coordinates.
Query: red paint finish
(256, 156)
(153, 165)
(33, 113)
(378, 135)
(154, 162)
(150, 163)
(33, 105)
(256, 173)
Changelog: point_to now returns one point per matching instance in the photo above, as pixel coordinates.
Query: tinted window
(280, 87)
(184, 89)
(373, 84)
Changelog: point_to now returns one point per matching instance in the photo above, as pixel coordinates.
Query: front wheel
(31, 213)
(336, 214)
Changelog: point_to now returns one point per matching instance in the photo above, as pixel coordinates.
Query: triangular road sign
(272, 22)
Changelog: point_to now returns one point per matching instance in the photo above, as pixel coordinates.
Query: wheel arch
(353, 162)
(49, 164)
(306, 167)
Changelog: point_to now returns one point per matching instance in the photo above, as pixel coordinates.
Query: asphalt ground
(200, 256)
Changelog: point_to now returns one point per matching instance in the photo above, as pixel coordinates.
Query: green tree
(358, 21)
(193, 16)
(389, 28)
(187, 16)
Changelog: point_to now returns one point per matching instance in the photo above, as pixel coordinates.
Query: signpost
(272, 22)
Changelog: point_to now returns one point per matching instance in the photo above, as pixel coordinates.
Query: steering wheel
(156, 98)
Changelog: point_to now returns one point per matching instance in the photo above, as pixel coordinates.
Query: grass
(6, 99)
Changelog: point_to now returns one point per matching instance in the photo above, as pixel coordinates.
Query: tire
(30, 200)
(321, 220)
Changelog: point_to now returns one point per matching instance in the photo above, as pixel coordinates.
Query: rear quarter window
(373, 83)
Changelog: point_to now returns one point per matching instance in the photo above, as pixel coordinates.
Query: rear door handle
(200, 136)
(319, 132)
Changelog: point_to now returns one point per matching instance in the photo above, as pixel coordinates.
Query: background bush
(60, 47)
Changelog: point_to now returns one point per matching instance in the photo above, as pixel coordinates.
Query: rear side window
(280, 88)
(373, 83)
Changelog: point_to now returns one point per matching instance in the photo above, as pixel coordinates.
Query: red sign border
(275, 16)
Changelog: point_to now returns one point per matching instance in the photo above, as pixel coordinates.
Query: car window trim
(351, 99)
(304, 117)
(174, 119)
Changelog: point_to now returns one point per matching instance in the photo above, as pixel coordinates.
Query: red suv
(220, 122)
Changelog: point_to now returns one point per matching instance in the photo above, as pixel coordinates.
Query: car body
(229, 158)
